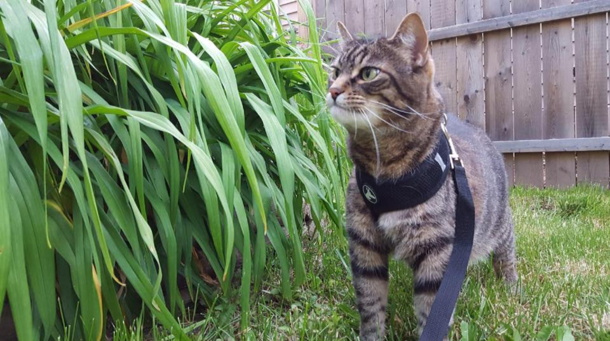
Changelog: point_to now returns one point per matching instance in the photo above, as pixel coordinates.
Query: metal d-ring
(454, 157)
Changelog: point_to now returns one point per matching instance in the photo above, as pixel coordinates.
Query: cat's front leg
(369, 263)
(371, 280)
(428, 274)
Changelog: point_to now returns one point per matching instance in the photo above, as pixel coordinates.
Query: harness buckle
(454, 157)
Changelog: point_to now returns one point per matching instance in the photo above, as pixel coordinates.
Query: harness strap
(437, 324)
(412, 188)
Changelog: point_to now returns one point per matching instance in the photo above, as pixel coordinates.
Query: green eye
(369, 73)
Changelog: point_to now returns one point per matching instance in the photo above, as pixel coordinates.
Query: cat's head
(385, 83)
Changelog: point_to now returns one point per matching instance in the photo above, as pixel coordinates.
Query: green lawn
(564, 266)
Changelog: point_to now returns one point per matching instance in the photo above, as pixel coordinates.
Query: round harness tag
(369, 194)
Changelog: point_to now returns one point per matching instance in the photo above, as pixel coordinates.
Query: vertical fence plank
(560, 170)
(444, 53)
(509, 164)
(470, 74)
(498, 81)
(374, 18)
(498, 76)
(528, 169)
(591, 68)
(319, 7)
(593, 168)
(354, 13)
(527, 95)
(558, 96)
(395, 11)
(591, 95)
(335, 12)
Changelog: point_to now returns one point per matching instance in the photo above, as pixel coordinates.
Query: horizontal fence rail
(554, 145)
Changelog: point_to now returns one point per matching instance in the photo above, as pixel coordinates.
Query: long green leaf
(5, 223)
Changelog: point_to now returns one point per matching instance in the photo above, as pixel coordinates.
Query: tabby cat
(383, 92)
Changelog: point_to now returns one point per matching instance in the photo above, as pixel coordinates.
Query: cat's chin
(353, 121)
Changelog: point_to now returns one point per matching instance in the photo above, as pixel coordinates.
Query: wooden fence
(533, 73)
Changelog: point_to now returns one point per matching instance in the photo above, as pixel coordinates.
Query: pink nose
(335, 92)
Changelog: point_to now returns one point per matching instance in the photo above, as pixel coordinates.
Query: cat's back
(488, 181)
(477, 151)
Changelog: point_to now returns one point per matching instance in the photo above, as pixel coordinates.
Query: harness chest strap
(411, 189)
(415, 188)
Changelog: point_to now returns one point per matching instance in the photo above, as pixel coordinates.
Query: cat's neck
(399, 151)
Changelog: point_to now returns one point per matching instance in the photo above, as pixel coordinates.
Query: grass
(562, 245)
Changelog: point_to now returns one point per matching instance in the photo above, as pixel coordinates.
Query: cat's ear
(345, 36)
(412, 32)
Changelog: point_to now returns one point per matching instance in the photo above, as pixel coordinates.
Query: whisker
(386, 122)
(420, 115)
(395, 110)
(389, 109)
(399, 115)
(376, 146)
(355, 122)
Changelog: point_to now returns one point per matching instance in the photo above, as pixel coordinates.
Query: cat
(382, 91)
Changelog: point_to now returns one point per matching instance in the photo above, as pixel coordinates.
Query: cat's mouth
(354, 119)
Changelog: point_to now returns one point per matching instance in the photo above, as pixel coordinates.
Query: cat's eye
(369, 73)
(336, 72)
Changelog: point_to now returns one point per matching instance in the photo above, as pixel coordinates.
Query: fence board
(528, 169)
(593, 167)
(335, 12)
(498, 76)
(560, 170)
(395, 11)
(554, 145)
(374, 18)
(354, 12)
(527, 93)
(444, 52)
(509, 164)
(470, 74)
(558, 96)
(471, 80)
(319, 7)
(591, 95)
(591, 68)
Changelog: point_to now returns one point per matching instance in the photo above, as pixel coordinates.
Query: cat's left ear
(412, 32)
(345, 36)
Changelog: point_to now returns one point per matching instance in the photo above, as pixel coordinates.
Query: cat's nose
(335, 92)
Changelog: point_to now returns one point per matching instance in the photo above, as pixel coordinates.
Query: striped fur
(393, 120)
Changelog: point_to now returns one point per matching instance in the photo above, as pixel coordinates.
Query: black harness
(415, 188)
(411, 189)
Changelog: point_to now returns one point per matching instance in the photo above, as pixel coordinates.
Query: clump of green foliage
(139, 140)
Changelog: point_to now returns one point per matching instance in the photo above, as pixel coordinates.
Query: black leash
(437, 324)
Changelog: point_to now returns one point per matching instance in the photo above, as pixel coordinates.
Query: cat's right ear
(412, 33)
(344, 36)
